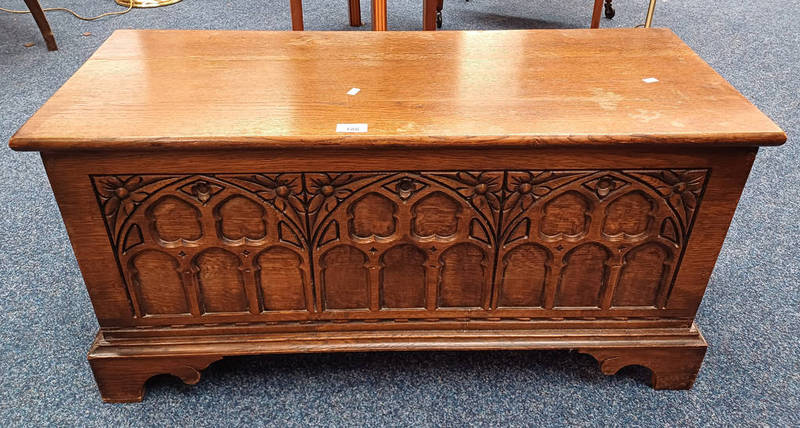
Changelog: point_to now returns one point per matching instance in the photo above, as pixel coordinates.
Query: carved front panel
(415, 244)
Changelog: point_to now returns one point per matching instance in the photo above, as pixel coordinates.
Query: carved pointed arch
(174, 222)
(465, 277)
(645, 273)
(344, 278)
(435, 217)
(403, 277)
(372, 217)
(629, 216)
(156, 281)
(198, 193)
(584, 276)
(240, 220)
(523, 276)
(220, 282)
(399, 226)
(282, 279)
(405, 190)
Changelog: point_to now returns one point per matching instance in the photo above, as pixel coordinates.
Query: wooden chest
(226, 194)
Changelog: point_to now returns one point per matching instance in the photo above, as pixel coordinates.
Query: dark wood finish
(354, 13)
(41, 21)
(242, 224)
(296, 7)
(431, 9)
(597, 13)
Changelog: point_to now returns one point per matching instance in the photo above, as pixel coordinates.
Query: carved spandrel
(682, 188)
(120, 195)
(482, 189)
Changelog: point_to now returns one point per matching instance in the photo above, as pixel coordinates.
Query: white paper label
(351, 127)
(353, 91)
(650, 80)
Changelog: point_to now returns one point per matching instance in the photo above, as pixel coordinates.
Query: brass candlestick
(146, 3)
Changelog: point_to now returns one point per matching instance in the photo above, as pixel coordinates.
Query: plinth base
(121, 365)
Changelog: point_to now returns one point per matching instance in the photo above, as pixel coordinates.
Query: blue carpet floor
(751, 374)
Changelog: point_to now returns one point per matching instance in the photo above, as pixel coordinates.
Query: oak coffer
(236, 193)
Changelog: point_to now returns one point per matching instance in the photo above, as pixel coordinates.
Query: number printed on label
(351, 127)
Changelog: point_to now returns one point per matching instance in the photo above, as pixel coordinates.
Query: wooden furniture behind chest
(513, 202)
(431, 14)
(41, 21)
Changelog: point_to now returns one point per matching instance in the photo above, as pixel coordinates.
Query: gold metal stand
(146, 3)
(648, 20)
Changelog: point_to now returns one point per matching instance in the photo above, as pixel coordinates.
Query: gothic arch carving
(220, 281)
(584, 276)
(516, 236)
(524, 274)
(240, 220)
(156, 278)
(646, 269)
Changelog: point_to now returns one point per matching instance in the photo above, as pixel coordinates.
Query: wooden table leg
(598, 8)
(41, 21)
(429, 14)
(378, 15)
(297, 14)
(355, 13)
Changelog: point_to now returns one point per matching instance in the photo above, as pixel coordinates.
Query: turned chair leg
(429, 9)
(355, 13)
(41, 21)
(297, 14)
(378, 15)
(598, 8)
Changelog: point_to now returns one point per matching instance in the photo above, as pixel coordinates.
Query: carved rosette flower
(120, 191)
(681, 187)
(327, 190)
(281, 190)
(481, 188)
(525, 188)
